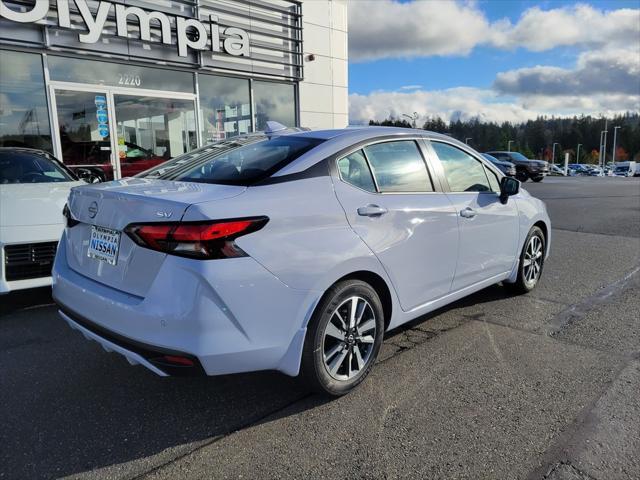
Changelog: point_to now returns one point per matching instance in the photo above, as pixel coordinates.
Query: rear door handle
(371, 211)
(468, 213)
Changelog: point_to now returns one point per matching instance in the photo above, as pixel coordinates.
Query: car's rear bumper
(154, 358)
(231, 315)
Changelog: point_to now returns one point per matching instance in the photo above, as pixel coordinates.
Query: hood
(539, 162)
(34, 203)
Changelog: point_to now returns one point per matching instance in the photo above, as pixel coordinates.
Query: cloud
(578, 25)
(386, 29)
(604, 71)
(484, 104)
(411, 87)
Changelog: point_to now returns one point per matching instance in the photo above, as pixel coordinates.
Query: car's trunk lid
(115, 205)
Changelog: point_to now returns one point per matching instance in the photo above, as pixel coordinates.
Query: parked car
(291, 251)
(526, 169)
(621, 171)
(505, 167)
(630, 169)
(577, 169)
(95, 158)
(33, 190)
(556, 170)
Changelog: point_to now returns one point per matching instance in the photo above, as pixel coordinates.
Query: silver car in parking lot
(291, 251)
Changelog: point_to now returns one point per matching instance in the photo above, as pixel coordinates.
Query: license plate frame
(104, 244)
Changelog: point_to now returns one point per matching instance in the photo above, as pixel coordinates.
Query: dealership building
(118, 86)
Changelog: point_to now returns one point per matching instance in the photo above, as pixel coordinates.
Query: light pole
(509, 145)
(600, 153)
(604, 146)
(466, 140)
(578, 153)
(553, 155)
(613, 151)
(413, 118)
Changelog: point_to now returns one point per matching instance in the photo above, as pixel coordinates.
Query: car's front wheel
(343, 338)
(537, 179)
(531, 262)
(522, 175)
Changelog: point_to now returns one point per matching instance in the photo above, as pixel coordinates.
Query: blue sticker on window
(102, 116)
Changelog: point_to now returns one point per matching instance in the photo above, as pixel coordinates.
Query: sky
(496, 60)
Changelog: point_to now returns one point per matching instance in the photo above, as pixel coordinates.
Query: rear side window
(463, 172)
(236, 162)
(399, 167)
(355, 171)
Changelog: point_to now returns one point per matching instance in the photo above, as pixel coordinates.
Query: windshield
(241, 161)
(518, 156)
(18, 166)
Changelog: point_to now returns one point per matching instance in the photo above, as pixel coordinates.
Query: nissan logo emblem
(93, 209)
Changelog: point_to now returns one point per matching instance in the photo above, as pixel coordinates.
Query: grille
(29, 260)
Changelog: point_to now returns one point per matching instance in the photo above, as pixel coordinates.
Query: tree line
(535, 138)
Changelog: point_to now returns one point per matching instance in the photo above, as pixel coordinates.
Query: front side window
(463, 172)
(355, 171)
(242, 162)
(494, 181)
(26, 167)
(399, 167)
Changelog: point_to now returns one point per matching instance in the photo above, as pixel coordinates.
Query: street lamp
(613, 153)
(553, 155)
(466, 140)
(603, 148)
(509, 145)
(413, 118)
(578, 153)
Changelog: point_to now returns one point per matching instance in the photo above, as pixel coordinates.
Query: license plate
(104, 244)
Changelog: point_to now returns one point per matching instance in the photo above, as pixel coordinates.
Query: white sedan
(34, 187)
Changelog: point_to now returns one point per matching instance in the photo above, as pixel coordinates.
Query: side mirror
(87, 175)
(508, 187)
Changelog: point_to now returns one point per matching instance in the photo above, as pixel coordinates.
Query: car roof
(24, 149)
(337, 140)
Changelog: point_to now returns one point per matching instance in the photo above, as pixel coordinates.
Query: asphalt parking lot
(537, 386)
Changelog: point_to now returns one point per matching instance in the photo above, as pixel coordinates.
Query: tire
(336, 357)
(526, 281)
(522, 175)
(537, 179)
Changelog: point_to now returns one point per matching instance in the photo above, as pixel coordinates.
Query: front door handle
(468, 213)
(371, 211)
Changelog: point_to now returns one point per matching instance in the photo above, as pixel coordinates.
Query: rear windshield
(241, 161)
(26, 167)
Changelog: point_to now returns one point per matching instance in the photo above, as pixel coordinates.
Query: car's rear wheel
(531, 262)
(343, 338)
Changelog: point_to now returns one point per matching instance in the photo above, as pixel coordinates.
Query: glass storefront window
(84, 132)
(226, 107)
(152, 130)
(274, 101)
(118, 75)
(24, 116)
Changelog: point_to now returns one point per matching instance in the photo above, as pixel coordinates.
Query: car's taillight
(205, 240)
(71, 222)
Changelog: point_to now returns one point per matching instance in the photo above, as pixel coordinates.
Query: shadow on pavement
(68, 407)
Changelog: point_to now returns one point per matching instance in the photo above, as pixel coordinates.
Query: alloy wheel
(533, 260)
(349, 338)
